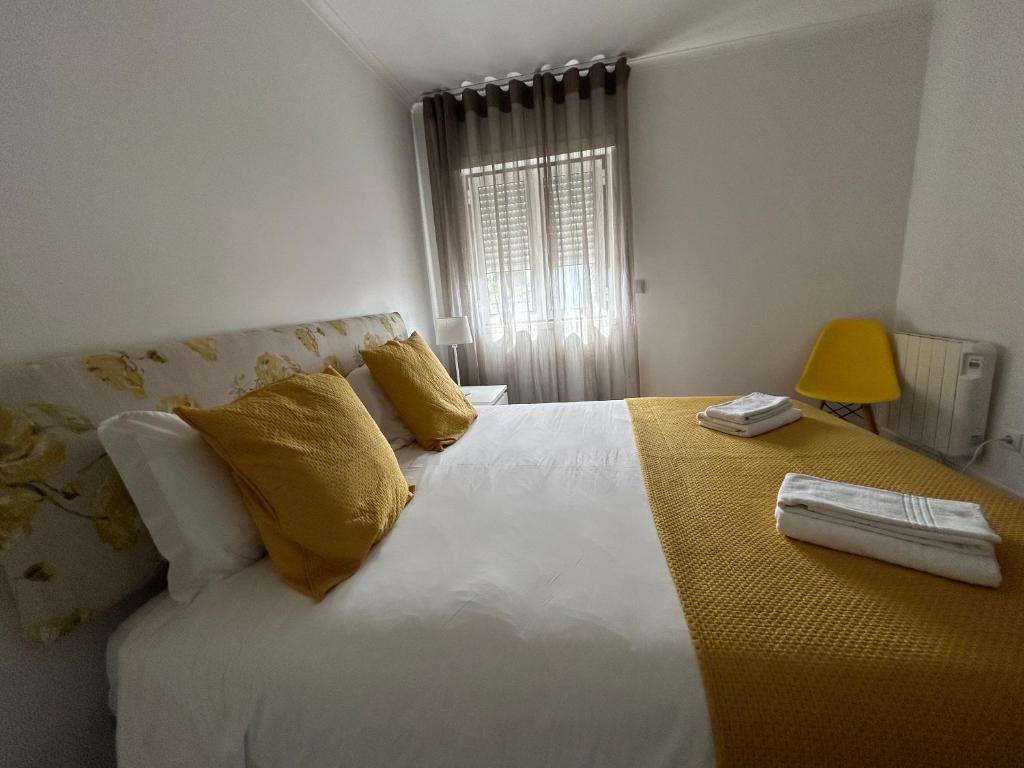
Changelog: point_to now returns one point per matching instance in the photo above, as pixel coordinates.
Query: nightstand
(490, 394)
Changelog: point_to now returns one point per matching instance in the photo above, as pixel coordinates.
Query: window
(538, 232)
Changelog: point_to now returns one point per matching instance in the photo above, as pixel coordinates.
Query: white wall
(963, 267)
(173, 168)
(178, 168)
(770, 184)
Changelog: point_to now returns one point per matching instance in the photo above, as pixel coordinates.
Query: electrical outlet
(1012, 440)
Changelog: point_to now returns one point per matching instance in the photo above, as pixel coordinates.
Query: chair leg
(869, 417)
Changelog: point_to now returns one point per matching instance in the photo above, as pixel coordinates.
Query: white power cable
(977, 451)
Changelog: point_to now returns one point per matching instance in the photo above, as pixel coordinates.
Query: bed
(527, 608)
(520, 613)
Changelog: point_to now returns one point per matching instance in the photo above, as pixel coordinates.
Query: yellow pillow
(429, 402)
(318, 477)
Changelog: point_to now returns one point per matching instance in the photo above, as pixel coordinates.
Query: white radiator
(946, 388)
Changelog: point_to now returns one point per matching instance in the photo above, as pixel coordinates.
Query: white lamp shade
(452, 330)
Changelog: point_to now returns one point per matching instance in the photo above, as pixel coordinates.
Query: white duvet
(520, 613)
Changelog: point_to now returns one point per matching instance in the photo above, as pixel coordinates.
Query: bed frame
(71, 542)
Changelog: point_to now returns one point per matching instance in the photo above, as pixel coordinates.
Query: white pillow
(186, 497)
(380, 407)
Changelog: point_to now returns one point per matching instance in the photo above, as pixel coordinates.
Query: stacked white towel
(750, 415)
(940, 536)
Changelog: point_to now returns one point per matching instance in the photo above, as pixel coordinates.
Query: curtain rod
(503, 81)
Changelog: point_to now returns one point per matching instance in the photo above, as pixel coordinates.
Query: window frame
(544, 301)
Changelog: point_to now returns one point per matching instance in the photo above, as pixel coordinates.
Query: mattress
(520, 613)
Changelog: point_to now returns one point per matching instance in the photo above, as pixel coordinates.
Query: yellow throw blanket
(814, 657)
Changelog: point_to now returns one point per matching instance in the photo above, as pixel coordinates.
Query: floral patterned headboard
(71, 542)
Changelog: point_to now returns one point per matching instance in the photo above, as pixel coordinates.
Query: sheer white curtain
(531, 214)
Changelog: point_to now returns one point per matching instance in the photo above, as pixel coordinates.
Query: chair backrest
(852, 362)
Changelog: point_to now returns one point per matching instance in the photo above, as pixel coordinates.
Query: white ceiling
(426, 44)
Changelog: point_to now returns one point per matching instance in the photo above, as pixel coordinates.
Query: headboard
(71, 542)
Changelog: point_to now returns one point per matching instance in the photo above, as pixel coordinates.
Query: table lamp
(453, 331)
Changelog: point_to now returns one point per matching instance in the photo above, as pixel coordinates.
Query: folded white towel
(920, 517)
(972, 568)
(948, 538)
(752, 407)
(752, 429)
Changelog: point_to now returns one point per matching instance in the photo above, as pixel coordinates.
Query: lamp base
(455, 354)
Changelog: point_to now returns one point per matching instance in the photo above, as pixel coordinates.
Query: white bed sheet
(520, 613)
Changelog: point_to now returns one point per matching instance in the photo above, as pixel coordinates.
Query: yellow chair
(851, 365)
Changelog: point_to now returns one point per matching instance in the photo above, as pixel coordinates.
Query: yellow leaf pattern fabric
(28, 455)
(271, 368)
(17, 507)
(114, 515)
(68, 418)
(48, 631)
(119, 371)
(71, 541)
(308, 340)
(205, 348)
(27, 452)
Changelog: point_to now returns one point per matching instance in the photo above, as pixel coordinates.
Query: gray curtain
(530, 188)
